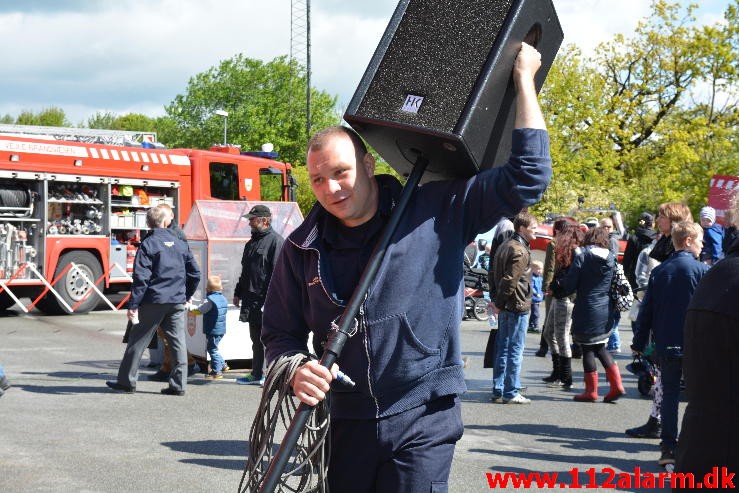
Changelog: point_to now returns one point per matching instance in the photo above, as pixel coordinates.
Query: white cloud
(587, 23)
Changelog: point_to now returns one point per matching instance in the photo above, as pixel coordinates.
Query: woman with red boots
(589, 277)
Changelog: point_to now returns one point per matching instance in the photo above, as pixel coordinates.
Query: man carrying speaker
(396, 429)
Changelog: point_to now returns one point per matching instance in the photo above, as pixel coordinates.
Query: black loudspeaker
(440, 84)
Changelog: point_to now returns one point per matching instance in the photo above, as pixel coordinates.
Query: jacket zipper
(318, 268)
(362, 327)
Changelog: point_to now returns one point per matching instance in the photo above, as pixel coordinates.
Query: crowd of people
(666, 267)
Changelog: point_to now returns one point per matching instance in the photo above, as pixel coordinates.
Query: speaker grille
(437, 56)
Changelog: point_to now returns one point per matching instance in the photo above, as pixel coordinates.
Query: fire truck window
(270, 187)
(224, 181)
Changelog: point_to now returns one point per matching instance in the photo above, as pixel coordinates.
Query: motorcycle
(475, 303)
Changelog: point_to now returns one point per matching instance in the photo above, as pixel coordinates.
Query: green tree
(634, 125)
(265, 102)
(50, 117)
(164, 126)
(103, 121)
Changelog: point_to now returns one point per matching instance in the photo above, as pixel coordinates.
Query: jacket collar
(517, 237)
(682, 253)
(255, 235)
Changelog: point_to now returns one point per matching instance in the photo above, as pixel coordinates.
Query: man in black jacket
(709, 436)
(257, 265)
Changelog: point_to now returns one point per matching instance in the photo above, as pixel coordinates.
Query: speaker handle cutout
(411, 154)
(533, 37)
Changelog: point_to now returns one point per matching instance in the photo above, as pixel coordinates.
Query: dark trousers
(671, 369)
(255, 332)
(592, 351)
(171, 318)
(408, 452)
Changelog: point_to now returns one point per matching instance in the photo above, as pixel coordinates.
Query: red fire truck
(73, 205)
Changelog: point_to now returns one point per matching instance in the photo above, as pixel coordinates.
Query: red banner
(720, 193)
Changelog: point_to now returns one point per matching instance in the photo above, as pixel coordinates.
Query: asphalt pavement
(63, 430)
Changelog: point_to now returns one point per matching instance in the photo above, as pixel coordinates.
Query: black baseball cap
(258, 211)
(647, 217)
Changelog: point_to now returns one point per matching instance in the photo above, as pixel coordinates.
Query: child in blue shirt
(713, 237)
(537, 295)
(214, 310)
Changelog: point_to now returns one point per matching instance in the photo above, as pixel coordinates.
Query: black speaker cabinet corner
(440, 84)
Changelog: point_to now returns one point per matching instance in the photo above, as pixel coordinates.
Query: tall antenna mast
(300, 51)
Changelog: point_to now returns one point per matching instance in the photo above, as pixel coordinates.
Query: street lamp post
(224, 114)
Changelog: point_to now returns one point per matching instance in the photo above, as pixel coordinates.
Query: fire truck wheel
(72, 286)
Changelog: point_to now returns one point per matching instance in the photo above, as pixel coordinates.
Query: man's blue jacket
(406, 351)
(662, 312)
(164, 270)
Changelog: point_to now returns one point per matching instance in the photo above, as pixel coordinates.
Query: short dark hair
(320, 138)
(523, 219)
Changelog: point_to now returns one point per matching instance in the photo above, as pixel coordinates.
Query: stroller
(643, 368)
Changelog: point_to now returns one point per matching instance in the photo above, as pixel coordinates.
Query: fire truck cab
(73, 205)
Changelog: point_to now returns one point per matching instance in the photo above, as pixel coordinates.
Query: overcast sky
(123, 56)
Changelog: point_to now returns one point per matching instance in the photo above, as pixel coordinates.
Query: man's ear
(369, 164)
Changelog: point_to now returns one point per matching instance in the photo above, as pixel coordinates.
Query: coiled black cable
(14, 196)
(306, 470)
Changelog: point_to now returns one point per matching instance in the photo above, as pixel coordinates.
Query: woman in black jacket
(589, 277)
(668, 214)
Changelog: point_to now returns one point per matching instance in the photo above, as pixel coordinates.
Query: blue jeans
(671, 371)
(534, 316)
(614, 340)
(3, 381)
(509, 344)
(216, 360)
